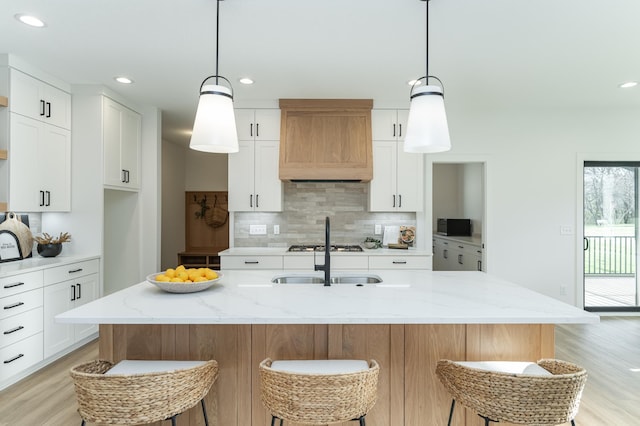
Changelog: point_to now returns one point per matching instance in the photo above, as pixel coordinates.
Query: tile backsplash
(305, 206)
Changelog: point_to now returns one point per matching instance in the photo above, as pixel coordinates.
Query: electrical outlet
(378, 230)
(257, 229)
(566, 230)
(276, 229)
(563, 290)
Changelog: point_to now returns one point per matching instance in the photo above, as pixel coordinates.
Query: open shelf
(4, 101)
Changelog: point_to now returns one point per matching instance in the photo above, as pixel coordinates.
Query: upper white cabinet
(40, 172)
(397, 183)
(121, 134)
(258, 124)
(36, 99)
(253, 177)
(254, 184)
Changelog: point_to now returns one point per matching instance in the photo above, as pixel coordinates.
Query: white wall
(173, 205)
(532, 180)
(205, 171)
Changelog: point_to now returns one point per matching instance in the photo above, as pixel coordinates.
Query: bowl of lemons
(184, 280)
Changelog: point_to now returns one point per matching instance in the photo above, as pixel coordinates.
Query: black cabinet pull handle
(123, 178)
(48, 203)
(251, 262)
(257, 202)
(73, 271)
(79, 290)
(399, 262)
(461, 247)
(251, 130)
(586, 243)
(13, 285)
(13, 330)
(257, 130)
(73, 287)
(460, 259)
(445, 253)
(400, 132)
(15, 305)
(14, 358)
(48, 109)
(251, 200)
(399, 200)
(41, 198)
(479, 265)
(42, 107)
(394, 201)
(394, 130)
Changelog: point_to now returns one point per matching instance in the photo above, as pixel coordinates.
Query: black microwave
(454, 227)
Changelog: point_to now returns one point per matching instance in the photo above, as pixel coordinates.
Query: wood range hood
(326, 140)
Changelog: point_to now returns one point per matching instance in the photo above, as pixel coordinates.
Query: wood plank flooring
(610, 351)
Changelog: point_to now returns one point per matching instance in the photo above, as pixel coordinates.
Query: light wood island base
(408, 392)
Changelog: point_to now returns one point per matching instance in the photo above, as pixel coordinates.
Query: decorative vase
(49, 250)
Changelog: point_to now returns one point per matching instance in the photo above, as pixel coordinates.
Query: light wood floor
(610, 351)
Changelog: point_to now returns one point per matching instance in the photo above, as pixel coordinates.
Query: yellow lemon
(182, 275)
(200, 279)
(181, 268)
(176, 280)
(162, 277)
(171, 273)
(211, 275)
(188, 281)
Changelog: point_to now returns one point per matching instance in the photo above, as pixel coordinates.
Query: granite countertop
(282, 251)
(404, 297)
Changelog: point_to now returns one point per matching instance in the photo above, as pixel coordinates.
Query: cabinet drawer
(70, 271)
(20, 356)
(19, 303)
(301, 262)
(348, 262)
(18, 327)
(399, 262)
(20, 283)
(251, 262)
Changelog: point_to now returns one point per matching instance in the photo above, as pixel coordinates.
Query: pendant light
(214, 128)
(427, 129)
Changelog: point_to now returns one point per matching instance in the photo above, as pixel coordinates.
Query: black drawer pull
(15, 305)
(73, 271)
(399, 262)
(13, 330)
(12, 285)
(14, 358)
(251, 262)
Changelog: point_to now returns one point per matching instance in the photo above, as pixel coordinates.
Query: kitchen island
(406, 323)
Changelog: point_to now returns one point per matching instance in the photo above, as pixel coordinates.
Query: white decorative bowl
(182, 287)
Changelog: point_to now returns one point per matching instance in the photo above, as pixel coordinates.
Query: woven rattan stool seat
(544, 394)
(140, 392)
(322, 392)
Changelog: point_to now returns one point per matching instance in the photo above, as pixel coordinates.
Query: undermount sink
(317, 279)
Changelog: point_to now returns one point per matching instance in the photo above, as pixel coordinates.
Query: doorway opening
(611, 231)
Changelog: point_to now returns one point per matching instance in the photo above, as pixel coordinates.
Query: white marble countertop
(475, 240)
(404, 297)
(37, 262)
(282, 251)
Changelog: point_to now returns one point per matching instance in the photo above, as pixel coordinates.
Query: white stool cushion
(128, 366)
(510, 367)
(321, 366)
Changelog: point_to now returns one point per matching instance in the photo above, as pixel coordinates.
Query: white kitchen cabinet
(21, 298)
(250, 262)
(81, 285)
(34, 98)
(400, 262)
(40, 166)
(454, 255)
(307, 262)
(254, 184)
(258, 124)
(397, 184)
(121, 133)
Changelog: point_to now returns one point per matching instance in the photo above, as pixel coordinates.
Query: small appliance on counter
(454, 227)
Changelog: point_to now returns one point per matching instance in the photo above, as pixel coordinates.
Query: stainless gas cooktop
(320, 247)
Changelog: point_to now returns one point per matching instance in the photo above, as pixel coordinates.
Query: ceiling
(488, 53)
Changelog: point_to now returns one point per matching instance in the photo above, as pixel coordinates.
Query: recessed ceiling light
(30, 20)
(412, 82)
(628, 84)
(123, 80)
(246, 80)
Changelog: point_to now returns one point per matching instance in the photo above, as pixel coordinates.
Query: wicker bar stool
(139, 392)
(544, 393)
(318, 391)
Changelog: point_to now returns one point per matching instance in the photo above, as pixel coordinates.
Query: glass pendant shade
(427, 128)
(214, 128)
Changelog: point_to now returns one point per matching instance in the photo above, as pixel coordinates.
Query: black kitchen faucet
(327, 255)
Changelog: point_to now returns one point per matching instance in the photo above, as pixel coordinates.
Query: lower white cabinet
(400, 262)
(20, 356)
(454, 255)
(250, 262)
(62, 296)
(306, 262)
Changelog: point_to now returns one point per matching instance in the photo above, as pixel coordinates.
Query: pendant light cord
(217, 35)
(426, 82)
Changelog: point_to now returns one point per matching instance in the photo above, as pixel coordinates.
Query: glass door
(611, 236)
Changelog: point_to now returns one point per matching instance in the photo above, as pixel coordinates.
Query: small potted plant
(372, 243)
(49, 246)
